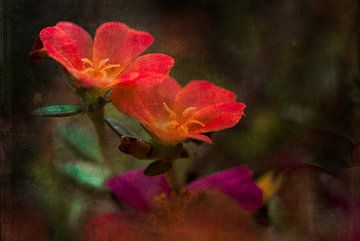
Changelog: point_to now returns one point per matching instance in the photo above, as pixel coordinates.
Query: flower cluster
(141, 87)
(195, 214)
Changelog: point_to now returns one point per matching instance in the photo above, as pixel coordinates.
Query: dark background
(293, 62)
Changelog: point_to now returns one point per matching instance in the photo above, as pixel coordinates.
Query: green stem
(173, 180)
(96, 116)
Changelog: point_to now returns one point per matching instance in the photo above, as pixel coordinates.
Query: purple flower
(139, 191)
(210, 208)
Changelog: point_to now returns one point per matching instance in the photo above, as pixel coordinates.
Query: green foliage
(81, 142)
(53, 195)
(57, 111)
(118, 128)
(87, 173)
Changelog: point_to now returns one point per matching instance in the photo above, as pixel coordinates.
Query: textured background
(293, 62)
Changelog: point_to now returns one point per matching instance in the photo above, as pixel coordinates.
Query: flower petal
(116, 226)
(144, 100)
(235, 182)
(147, 67)
(67, 44)
(205, 216)
(201, 138)
(200, 94)
(119, 43)
(138, 190)
(81, 38)
(218, 117)
(202, 216)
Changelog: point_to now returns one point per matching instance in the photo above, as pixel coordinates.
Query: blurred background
(295, 63)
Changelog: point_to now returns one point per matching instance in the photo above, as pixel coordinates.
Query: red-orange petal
(149, 66)
(144, 100)
(201, 138)
(115, 227)
(200, 94)
(119, 43)
(81, 38)
(218, 117)
(67, 44)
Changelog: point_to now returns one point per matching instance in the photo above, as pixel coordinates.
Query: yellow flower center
(174, 201)
(100, 69)
(182, 122)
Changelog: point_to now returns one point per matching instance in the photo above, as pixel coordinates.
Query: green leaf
(87, 173)
(157, 168)
(81, 142)
(118, 128)
(57, 111)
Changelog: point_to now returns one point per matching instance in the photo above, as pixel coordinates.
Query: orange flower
(202, 216)
(173, 113)
(112, 58)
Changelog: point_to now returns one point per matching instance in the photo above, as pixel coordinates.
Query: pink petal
(67, 44)
(138, 190)
(147, 67)
(201, 138)
(119, 43)
(200, 94)
(235, 182)
(218, 117)
(115, 227)
(144, 99)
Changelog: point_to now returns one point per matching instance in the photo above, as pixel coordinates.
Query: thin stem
(97, 117)
(173, 180)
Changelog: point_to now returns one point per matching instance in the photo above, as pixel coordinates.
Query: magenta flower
(210, 208)
(205, 216)
(139, 191)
